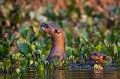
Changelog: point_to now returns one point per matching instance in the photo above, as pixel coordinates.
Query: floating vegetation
(87, 29)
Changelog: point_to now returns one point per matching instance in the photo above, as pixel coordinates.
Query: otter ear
(104, 57)
(57, 31)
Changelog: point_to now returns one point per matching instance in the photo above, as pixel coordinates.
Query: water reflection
(110, 74)
(64, 74)
(56, 74)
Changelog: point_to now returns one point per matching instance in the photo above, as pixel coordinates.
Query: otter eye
(57, 31)
(46, 25)
(95, 54)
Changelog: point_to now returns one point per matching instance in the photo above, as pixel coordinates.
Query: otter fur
(58, 41)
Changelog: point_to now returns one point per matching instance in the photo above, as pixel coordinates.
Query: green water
(64, 74)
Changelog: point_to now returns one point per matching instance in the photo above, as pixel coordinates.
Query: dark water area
(64, 74)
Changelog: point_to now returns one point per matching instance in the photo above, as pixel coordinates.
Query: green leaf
(64, 63)
(33, 46)
(70, 49)
(90, 21)
(30, 35)
(22, 30)
(51, 66)
(23, 48)
(115, 49)
(24, 63)
(12, 39)
(71, 58)
(60, 24)
(118, 44)
(7, 63)
(103, 49)
(4, 51)
(69, 36)
(3, 68)
(36, 30)
(1, 64)
(40, 67)
(18, 70)
(88, 10)
(41, 73)
(98, 48)
(36, 63)
(31, 62)
(107, 63)
(55, 61)
(44, 57)
(106, 43)
(91, 48)
(5, 44)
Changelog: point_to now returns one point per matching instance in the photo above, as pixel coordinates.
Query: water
(64, 74)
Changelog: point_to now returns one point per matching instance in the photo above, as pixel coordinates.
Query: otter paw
(98, 67)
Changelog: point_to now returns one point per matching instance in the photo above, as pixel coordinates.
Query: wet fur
(58, 41)
(99, 57)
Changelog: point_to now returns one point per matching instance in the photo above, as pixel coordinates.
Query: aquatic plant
(87, 30)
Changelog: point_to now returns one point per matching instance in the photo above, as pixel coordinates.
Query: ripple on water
(65, 74)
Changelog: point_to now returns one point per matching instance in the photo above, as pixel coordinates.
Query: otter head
(99, 57)
(51, 29)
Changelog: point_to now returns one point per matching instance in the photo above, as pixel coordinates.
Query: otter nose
(43, 24)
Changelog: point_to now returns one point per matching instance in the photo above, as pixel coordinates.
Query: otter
(99, 58)
(58, 41)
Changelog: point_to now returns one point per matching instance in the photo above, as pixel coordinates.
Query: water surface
(64, 74)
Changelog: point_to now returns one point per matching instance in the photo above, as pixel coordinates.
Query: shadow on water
(64, 74)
